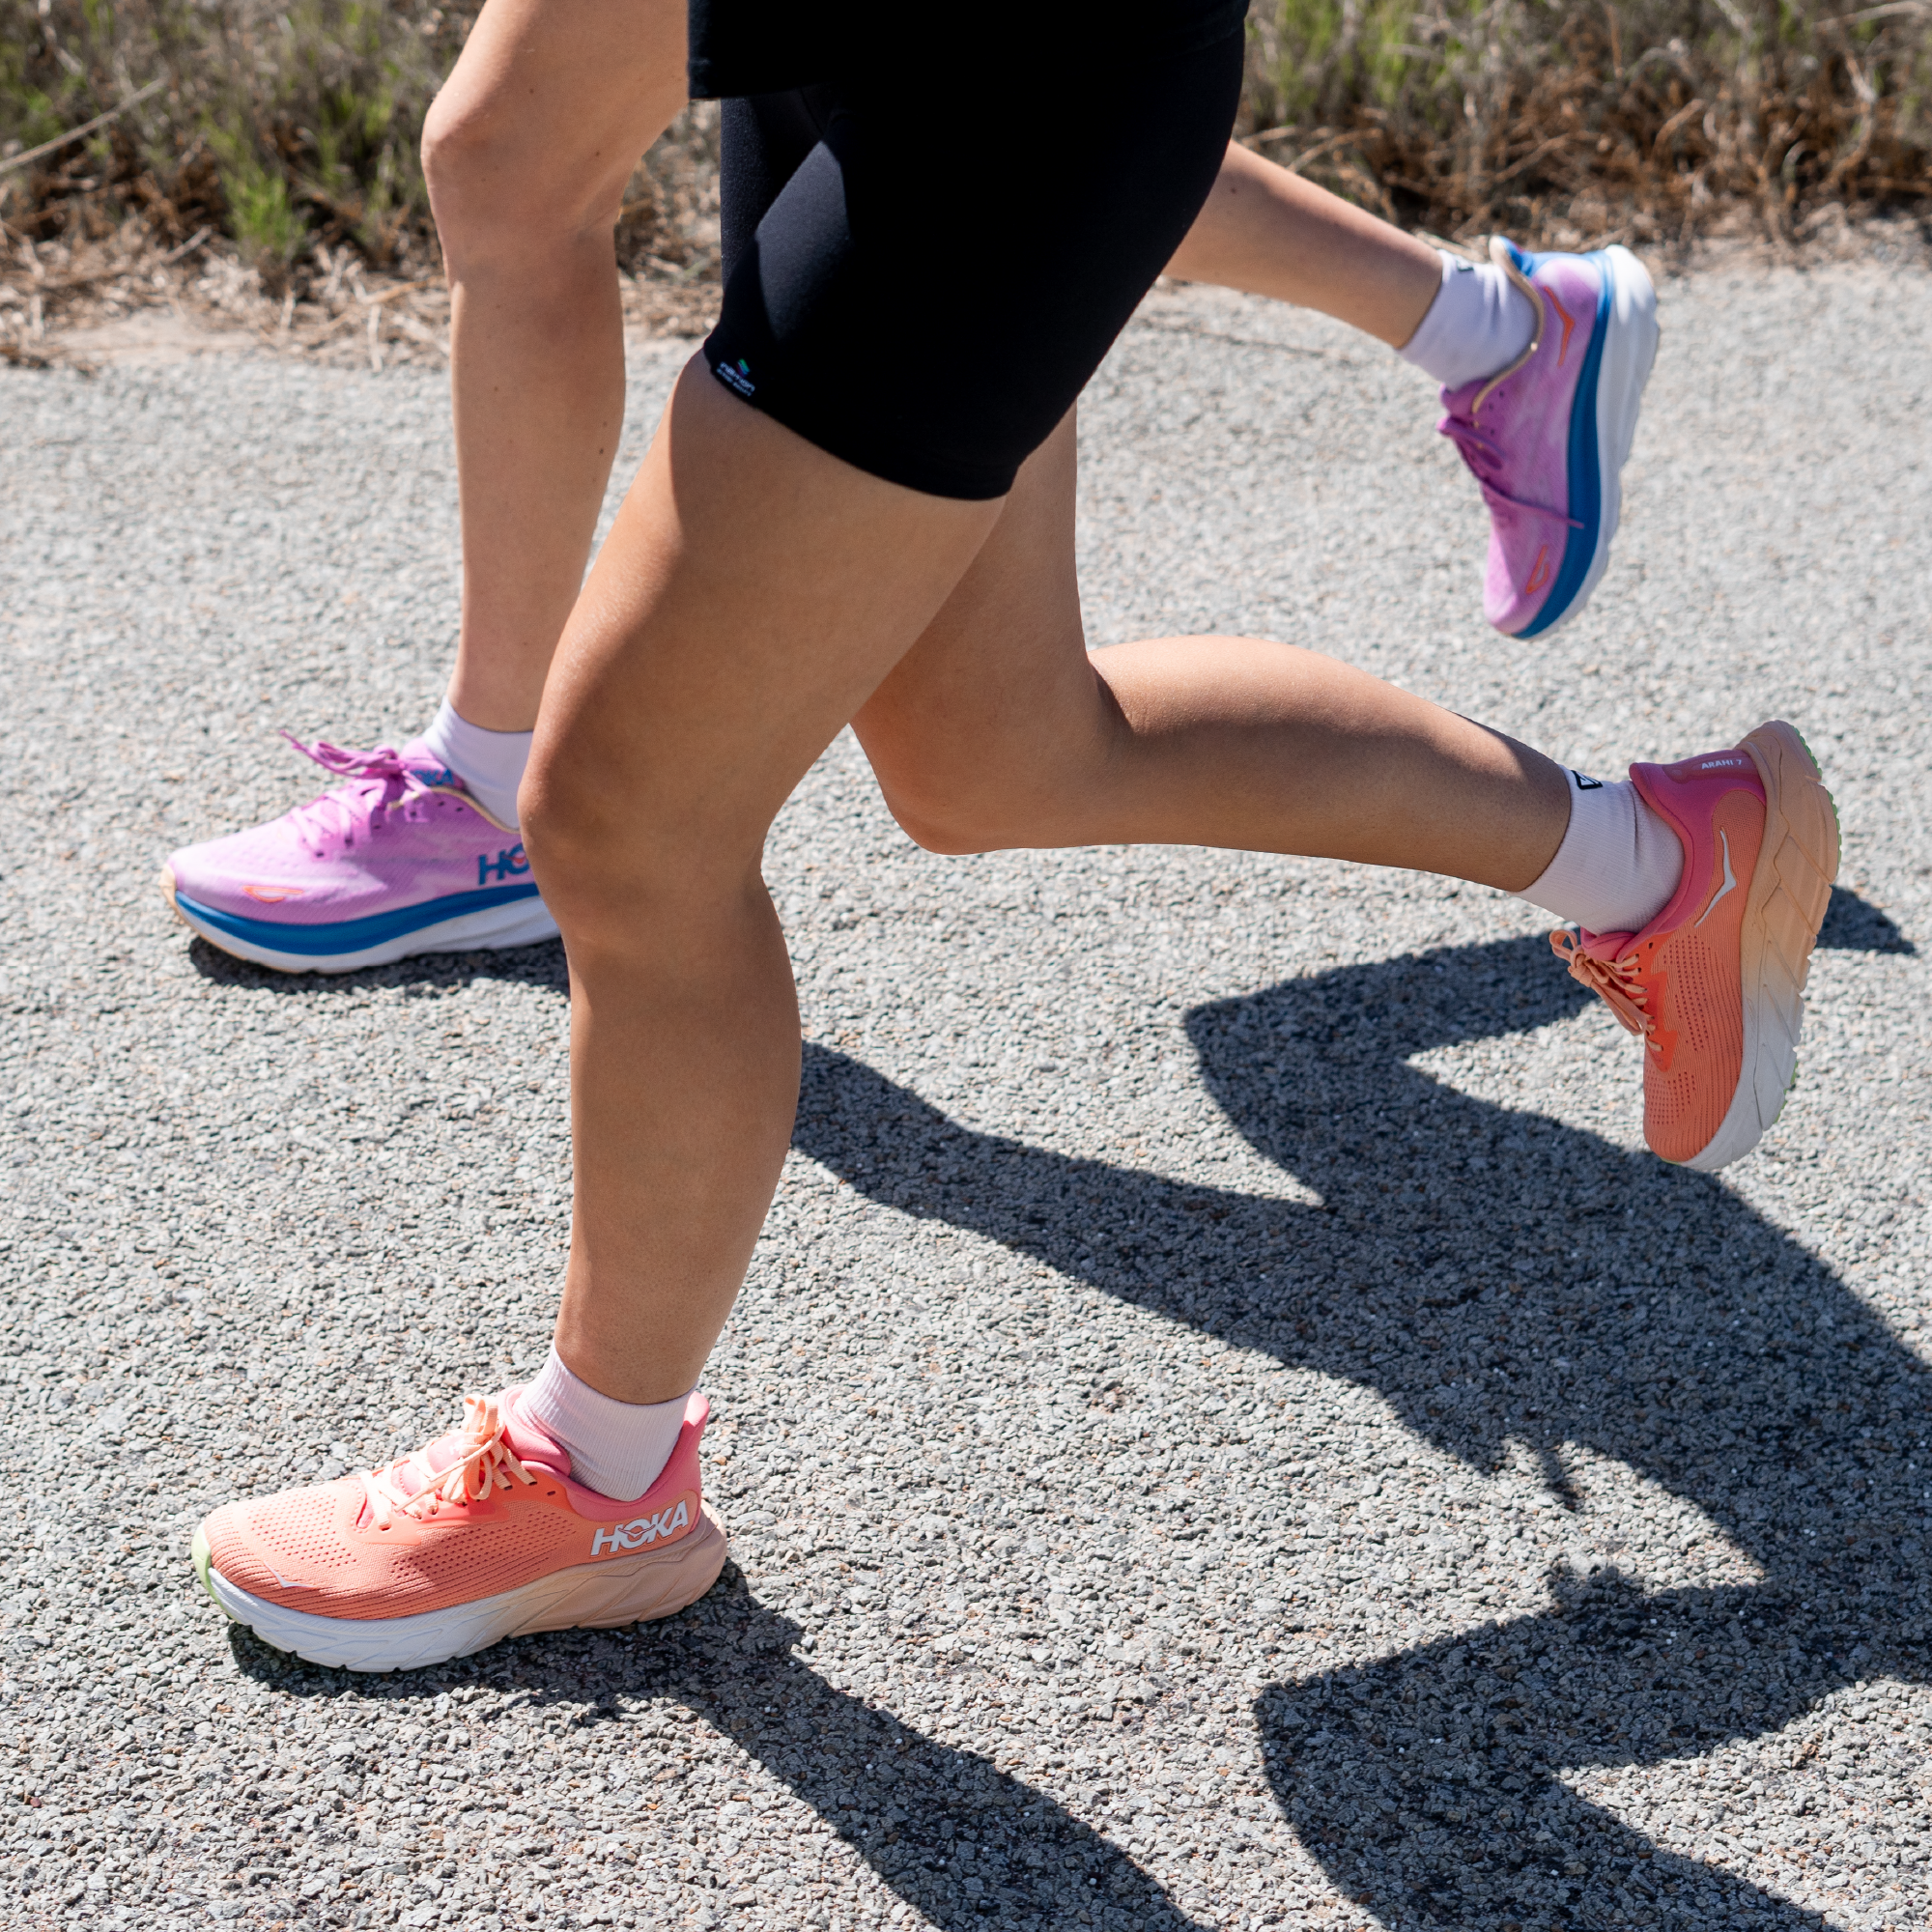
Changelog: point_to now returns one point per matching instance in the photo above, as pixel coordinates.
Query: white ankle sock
(1480, 322)
(616, 1448)
(1618, 864)
(491, 763)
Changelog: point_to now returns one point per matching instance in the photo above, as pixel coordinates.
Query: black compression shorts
(923, 270)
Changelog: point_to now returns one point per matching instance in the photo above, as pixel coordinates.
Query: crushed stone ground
(1227, 1427)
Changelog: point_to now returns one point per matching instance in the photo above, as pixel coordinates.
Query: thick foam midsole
(348, 935)
(625, 1589)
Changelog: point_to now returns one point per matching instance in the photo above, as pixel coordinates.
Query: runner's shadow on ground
(958, 1839)
(1498, 1278)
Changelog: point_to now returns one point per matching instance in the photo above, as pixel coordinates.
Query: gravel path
(1226, 1427)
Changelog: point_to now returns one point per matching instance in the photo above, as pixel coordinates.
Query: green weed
(291, 125)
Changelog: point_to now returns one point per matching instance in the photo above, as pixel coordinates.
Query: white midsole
(1630, 350)
(522, 922)
(1773, 993)
(622, 1590)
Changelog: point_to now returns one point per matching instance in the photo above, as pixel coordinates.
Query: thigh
(751, 596)
(550, 107)
(999, 693)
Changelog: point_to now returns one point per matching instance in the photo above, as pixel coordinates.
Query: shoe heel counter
(681, 1472)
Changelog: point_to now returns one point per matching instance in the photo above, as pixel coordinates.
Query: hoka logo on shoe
(1540, 573)
(1730, 884)
(274, 895)
(1569, 321)
(505, 864)
(644, 1531)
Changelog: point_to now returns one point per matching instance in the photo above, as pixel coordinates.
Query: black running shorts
(923, 268)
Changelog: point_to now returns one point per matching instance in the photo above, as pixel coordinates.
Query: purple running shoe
(1547, 439)
(398, 860)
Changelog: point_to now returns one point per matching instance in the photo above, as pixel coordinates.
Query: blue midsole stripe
(1586, 487)
(352, 935)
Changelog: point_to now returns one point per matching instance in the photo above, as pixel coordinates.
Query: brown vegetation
(260, 161)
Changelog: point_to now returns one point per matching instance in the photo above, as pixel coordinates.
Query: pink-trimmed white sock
(617, 1448)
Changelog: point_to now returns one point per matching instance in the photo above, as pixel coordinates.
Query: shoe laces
(1486, 460)
(1615, 982)
(486, 1461)
(379, 781)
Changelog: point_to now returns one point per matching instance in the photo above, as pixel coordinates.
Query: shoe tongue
(528, 1440)
(412, 1474)
(428, 765)
(1605, 946)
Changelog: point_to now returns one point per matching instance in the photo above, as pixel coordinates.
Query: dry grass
(265, 174)
(1653, 121)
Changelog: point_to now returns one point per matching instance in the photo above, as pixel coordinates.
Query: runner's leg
(1270, 233)
(528, 150)
(751, 595)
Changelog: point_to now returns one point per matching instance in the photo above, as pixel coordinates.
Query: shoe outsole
(1790, 888)
(1629, 353)
(594, 1596)
(526, 923)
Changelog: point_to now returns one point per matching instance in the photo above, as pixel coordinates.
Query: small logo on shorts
(1587, 784)
(736, 375)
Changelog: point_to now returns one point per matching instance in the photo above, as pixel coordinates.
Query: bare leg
(752, 593)
(1000, 729)
(755, 595)
(1270, 233)
(528, 150)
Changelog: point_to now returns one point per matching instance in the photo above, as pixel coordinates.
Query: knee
(503, 193)
(579, 843)
(958, 816)
(616, 858)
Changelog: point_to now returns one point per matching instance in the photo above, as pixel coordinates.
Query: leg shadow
(1505, 1283)
(958, 1839)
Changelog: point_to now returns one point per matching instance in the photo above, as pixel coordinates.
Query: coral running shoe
(1547, 438)
(1715, 984)
(399, 858)
(478, 1537)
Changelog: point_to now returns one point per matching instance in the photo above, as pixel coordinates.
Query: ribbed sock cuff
(1618, 864)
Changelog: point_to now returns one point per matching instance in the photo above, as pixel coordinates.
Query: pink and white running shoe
(480, 1536)
(399, 860)
(1547, 439)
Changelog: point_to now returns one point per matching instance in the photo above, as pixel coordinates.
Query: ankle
(1618, 865)
(489, 763)
(617, 1448)
(1479, 323)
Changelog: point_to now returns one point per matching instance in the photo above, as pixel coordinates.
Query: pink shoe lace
(487, 1462)
(1614, 981)
(1485, 461)
(380, 781)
